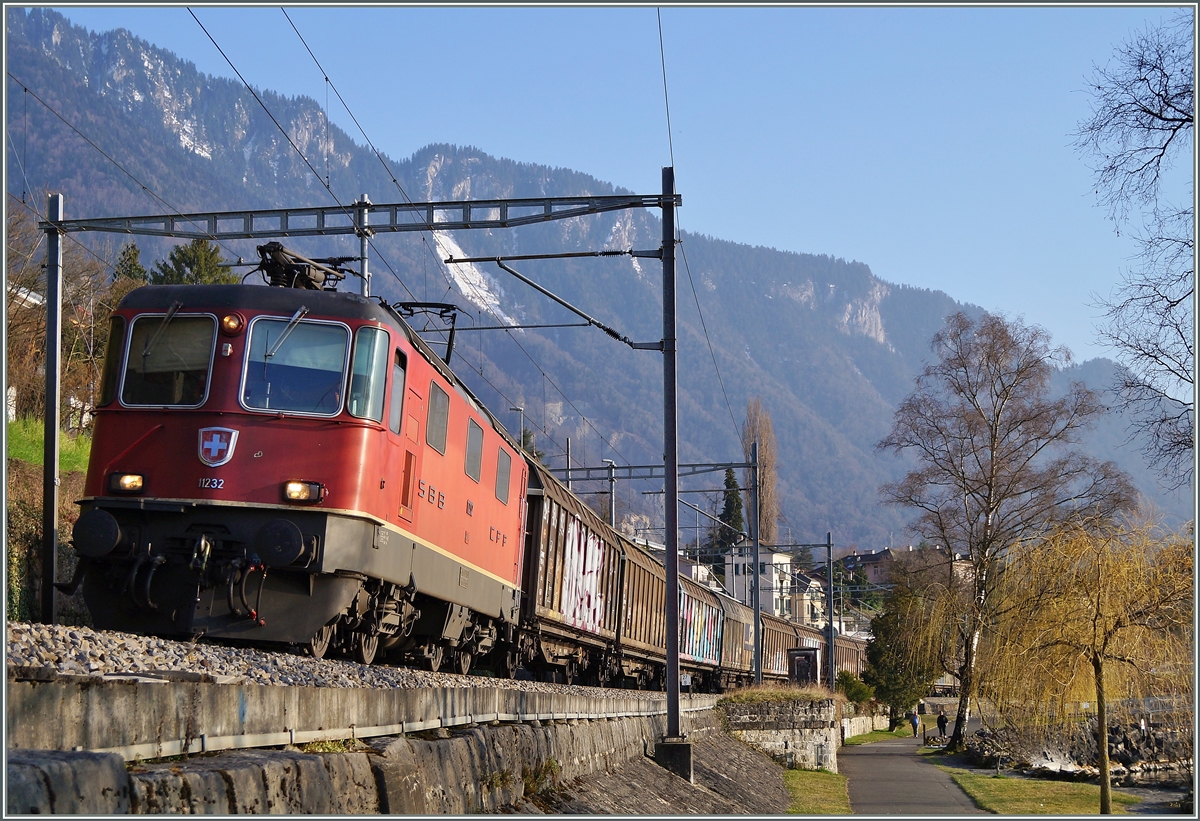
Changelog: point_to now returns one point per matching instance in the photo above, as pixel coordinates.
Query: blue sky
(932, 143)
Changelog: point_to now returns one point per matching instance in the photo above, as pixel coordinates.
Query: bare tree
(1143, 110)
(994, 462)
(89, 296)
(758, 428)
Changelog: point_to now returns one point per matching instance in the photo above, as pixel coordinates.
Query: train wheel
(318, 645)
(463, 660)
(365, 647)
(434, 662)
(508, 664)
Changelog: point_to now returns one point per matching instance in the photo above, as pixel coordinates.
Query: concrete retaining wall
(477, 769)
(139, 719)
(800, 735)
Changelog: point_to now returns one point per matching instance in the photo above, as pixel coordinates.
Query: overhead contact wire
(109, 157)
(437, 243)
(288, 137)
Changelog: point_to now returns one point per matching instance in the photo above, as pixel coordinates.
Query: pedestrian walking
(942, 721)
(916, 722)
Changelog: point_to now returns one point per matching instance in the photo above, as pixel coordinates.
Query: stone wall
(798, 734)
(859, 725)
(475, 769)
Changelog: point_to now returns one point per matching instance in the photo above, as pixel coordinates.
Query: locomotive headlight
(232, 324)
(297, 491)
(126, 483)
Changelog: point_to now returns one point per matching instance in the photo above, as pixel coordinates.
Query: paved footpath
(889, 778)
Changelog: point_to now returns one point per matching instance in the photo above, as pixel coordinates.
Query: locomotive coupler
(235, 574)
(200, 553)
(155, 563)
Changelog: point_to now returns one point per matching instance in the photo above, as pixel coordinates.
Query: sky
(933, 144)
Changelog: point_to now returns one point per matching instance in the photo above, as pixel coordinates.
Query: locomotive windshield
(298, 367)
(168, 360)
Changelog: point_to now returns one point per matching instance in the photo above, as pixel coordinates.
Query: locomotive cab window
(396, 412)
(112, 361)
(297, 367)
(368, 374)
(439, 417)
(169, 360)
(474, 465)
(503, 473)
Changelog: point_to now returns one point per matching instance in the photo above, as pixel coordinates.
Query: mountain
(830, 348)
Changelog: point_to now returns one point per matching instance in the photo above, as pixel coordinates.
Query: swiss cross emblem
(216, 445)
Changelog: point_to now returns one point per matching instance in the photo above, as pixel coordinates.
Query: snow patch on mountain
(480, 289)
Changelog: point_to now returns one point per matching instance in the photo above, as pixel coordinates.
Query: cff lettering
(496, 536)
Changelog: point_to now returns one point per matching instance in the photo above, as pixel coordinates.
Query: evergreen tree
(529, 443)
(197, 263)
(725, 535)
(129, 265)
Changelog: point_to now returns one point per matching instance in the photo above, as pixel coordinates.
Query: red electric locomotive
(294, 465)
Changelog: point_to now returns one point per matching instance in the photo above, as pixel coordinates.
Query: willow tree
(995, 462)
(1106, 617)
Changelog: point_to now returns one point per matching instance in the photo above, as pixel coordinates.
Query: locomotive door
(402, 459)
(409, 441)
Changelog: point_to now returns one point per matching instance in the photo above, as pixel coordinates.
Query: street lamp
(521, 429)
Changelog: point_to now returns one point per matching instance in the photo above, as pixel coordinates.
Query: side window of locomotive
(112, 361)
(396, 412)
(438, 419)
(474, 465)
(298, 367)
(368, 374)
(503, 474)
(168, 361)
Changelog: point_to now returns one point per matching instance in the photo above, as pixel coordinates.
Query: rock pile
(1135, 756)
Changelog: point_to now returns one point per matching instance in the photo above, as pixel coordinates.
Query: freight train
(291, 465)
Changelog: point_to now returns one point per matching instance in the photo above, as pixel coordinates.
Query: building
(776, 593)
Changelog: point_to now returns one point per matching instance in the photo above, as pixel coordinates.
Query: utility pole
(756, 600)
(673, 752)
(612, 492)
(54, 296)
(829, 599)
(364, 242)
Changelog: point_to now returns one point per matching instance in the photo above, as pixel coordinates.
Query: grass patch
(879, 735)
(25, 442)
(1025, 796)
(763, 693)
(817, 792)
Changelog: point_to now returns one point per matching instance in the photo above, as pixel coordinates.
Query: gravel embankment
(98, 653)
